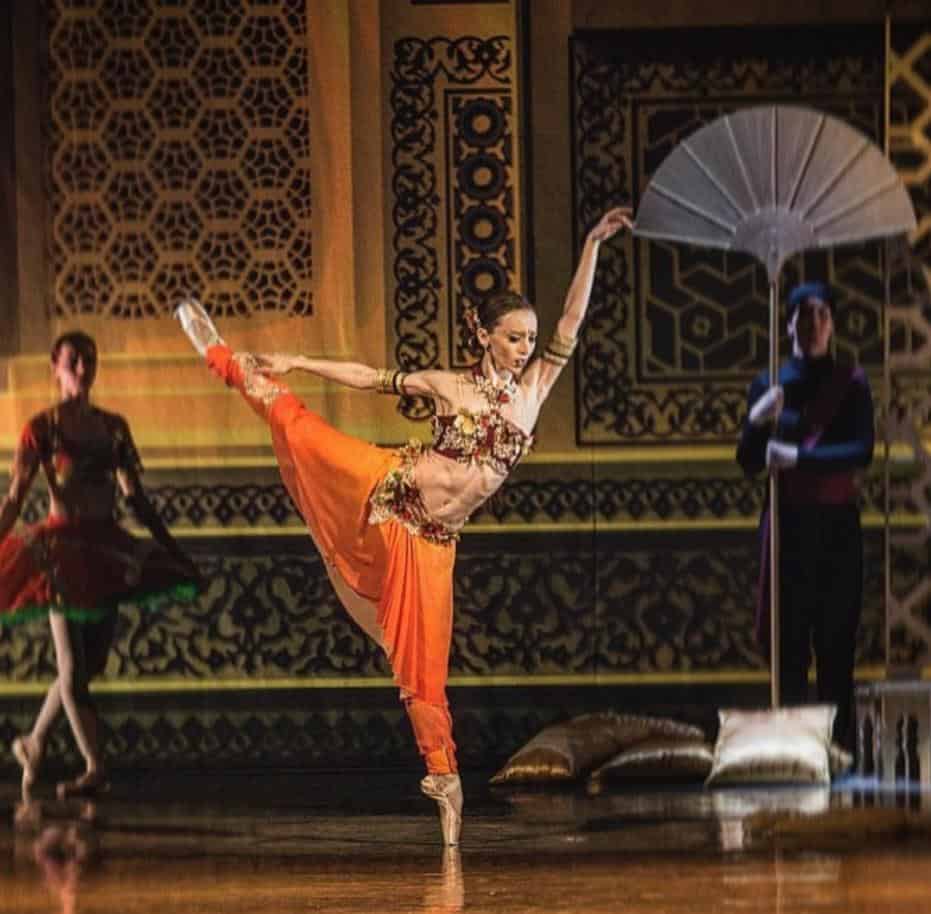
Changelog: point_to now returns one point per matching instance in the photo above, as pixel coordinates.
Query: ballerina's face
(512, 340)
(74, 370)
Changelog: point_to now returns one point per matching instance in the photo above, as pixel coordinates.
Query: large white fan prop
(773, 181)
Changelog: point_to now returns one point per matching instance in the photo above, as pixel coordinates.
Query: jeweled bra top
(485, 437)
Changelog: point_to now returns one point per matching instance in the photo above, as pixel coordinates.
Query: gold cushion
(565, 751)
(657, 758)
(781, 745)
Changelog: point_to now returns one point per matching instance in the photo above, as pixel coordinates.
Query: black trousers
(821, 601)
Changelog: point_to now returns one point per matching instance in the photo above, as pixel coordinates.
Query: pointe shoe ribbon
(446, 789)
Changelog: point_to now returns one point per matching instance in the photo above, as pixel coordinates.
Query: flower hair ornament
(471, 318)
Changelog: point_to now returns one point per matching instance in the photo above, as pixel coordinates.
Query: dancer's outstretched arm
(543, 371)
(435, 383)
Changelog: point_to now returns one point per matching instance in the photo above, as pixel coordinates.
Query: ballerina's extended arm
(542, 372)
(435, 383)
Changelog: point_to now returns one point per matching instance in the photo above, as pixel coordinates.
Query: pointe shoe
(28, 762)
(89, 784)
(198, 326)
(446, 789)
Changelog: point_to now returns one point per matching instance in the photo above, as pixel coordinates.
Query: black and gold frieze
(541, 495)
(526, 607)
(676, 332)
(360, 728)
(178, 157)
(268, 669)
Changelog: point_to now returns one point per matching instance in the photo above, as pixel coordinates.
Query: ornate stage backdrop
(180, 154)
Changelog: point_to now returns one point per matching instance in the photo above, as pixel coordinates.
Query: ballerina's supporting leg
(96, 639)
(432, 725)
(73, 680)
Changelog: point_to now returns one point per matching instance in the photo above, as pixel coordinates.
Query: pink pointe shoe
(28, 761)
(446, 789)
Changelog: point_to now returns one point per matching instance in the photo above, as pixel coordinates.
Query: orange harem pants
(397, 586)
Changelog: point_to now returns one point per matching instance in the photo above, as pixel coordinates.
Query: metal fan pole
(775, 647)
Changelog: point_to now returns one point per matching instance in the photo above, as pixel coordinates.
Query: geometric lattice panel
(676, 332)
(178, 156)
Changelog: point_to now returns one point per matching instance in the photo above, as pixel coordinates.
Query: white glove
(781, 456)
(767, 407)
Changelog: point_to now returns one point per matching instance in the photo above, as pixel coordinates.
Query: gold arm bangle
(554, 358)
(562, 345)
(385, 380)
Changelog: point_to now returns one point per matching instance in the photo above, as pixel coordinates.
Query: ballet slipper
(89, 784)
(446, 789)
(197, 325)
(27, 761)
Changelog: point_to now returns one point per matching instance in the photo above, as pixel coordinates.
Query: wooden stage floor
(282, 842)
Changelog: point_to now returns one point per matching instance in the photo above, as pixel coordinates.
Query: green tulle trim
(179, 593)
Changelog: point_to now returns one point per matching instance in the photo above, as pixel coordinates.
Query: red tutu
(84, 569)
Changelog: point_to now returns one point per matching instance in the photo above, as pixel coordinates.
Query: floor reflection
(63, 844)
(291, 843)
(446, 894)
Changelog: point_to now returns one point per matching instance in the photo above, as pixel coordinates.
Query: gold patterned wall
(908, 598)
(181, 152)
(676, 332)
(178, 156)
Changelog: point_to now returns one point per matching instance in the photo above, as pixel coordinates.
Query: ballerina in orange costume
(386, 522)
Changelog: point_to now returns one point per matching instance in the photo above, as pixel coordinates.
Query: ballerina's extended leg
(239, 369)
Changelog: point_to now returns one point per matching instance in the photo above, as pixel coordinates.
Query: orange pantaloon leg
(396, 585)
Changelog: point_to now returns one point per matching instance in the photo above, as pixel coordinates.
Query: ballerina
(79, 563)
(386, 522)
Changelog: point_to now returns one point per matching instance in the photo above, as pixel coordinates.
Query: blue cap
(801, 293)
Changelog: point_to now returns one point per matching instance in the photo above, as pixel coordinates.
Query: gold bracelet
(385, 380)
(554, 358)
(562, 345)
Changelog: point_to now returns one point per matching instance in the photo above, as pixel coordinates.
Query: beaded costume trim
(486, 438)
(257, 385)
(397, 497)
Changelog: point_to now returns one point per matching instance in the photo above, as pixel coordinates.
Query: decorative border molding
(420, 134)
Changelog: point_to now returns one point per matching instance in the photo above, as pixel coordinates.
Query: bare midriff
(452, 490)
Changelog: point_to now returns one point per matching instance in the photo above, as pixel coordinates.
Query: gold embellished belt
(397, 497)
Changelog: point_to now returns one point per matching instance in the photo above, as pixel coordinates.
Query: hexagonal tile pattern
(178, 155)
